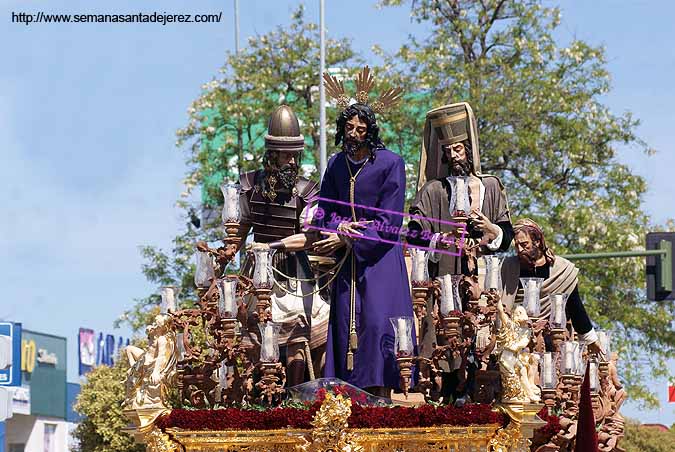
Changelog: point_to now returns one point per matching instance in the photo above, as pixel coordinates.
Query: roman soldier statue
(274, 203)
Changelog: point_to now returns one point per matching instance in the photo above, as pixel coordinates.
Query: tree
(545, 132)
(640, 438)
(229, 120)
(100, 402)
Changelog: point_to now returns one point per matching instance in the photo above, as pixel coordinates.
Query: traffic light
(660, 266)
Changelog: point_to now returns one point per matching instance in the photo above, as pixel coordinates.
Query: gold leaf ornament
(336, 89)
(364, 84)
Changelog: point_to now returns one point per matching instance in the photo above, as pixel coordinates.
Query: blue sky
(88, 114)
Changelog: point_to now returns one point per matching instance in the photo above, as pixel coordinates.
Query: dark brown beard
(458, 168)
(352, 146)
(288, 175)
(530, 258)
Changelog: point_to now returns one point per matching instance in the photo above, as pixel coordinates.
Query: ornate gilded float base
(331, 433)
(474, 438)
(509, 439)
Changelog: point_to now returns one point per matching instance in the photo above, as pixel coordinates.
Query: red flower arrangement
(238, 419)
(544, 434)
(358, 397)
(361, 417)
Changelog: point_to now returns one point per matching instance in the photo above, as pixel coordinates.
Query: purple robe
(382, 289)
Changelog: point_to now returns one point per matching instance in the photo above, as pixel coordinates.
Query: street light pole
(236, 26)
(322, 91)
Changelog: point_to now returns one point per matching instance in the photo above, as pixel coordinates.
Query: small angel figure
(515, 362)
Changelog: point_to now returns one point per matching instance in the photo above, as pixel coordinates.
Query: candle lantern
(231, 213)
(227, 302)
(593, 375)
(261, 272)
(204, 271)
(548, 376)
(403, 347)
(420, 270)
(269, 345)
(558, 318)
(403, 344)
(168, 294)
(605, 343)
(579, 362)
(493, 277)
(531, 289)
(180, 347)
(568, 361)
(460, 205)
(450, 299)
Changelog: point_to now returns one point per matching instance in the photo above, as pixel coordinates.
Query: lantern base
(405, 364)
(263, 304)
(450, 327)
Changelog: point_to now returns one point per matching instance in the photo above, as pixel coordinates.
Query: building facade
(42, 418)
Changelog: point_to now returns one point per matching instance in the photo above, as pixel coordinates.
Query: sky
(88, 114)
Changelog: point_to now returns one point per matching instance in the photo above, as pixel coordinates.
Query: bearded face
(460, 168)
(456, 155)
(355, 135)
(529, 251)
(283, 166)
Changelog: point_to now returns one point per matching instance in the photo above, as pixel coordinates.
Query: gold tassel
(353, 341)
(350, 360)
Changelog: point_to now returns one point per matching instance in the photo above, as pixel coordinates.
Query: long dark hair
(365, 114)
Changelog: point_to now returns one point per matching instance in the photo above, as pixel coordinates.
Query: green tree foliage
(545, 132)
(228, 121)
(100, 402)
(639, 438)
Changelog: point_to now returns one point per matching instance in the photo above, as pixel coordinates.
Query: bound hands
(334, 240)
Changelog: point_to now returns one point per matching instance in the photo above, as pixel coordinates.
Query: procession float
(503, 370)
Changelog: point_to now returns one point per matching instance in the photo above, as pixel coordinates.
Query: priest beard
(460, 168)
(287, 175)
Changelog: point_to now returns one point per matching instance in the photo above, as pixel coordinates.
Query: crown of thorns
(364, 82)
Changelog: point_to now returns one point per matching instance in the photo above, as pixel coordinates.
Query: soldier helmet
(283, 131)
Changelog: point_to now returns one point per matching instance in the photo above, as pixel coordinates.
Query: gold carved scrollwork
(509, 439)
(158, 441)
(330, 428)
